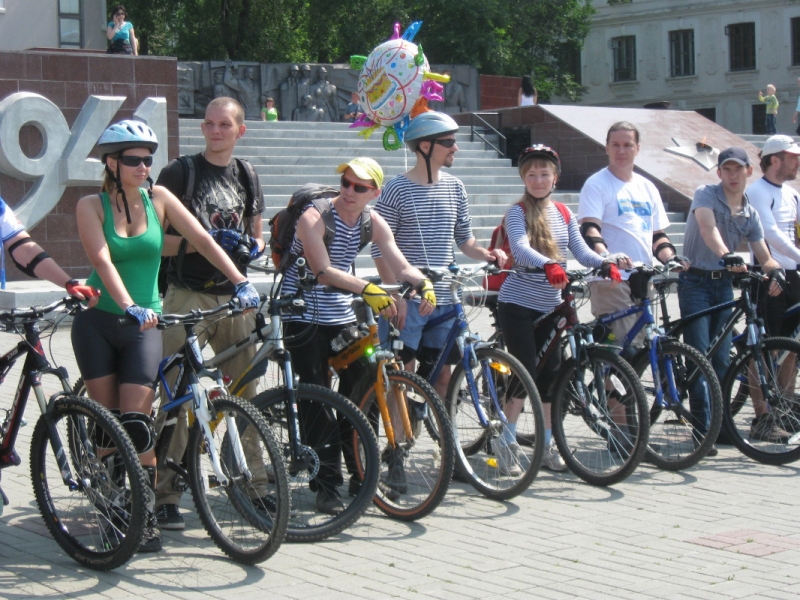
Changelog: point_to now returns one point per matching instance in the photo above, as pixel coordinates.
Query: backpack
(283, 225)
(500, 240)
(189, 175)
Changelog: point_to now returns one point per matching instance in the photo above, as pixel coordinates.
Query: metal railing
(484, 123)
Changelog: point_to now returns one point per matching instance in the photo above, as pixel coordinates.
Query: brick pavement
(728, 528)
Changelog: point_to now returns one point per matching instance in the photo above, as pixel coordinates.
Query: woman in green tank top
(122, 233)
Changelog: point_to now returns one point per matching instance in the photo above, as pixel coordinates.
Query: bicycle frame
(35, 366)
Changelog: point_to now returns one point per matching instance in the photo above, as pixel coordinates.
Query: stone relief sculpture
(308, 111)
(324, 95)
(247, 87)
(289, 83)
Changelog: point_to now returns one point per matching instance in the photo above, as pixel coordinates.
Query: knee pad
(139, 427)
(101, 439)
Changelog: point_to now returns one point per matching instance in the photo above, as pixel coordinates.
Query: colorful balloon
(395, 83)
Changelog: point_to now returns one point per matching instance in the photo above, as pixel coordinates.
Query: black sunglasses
(448, 143)
(118, 14)
(135, 161)
(358, 187)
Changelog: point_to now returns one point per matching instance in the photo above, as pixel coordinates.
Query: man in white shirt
(621, 212)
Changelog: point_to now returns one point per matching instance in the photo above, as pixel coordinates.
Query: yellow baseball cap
(364, 168)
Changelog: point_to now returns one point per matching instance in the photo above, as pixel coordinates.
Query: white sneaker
(507, 457)
(552, 459)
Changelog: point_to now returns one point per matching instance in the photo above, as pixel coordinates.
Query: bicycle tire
(675, 441)
(247, 519)
(478, 448)
(305, 524)
(783, 408)
(428, 458)
(100, 525)
(581, 429)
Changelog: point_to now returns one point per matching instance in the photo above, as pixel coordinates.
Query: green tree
(498, 37)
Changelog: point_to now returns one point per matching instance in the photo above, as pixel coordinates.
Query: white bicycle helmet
(426, 127)
(126, 134)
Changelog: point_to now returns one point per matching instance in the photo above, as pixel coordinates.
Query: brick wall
(67, 79)
(499, 92)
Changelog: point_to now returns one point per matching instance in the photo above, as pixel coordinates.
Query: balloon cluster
(395, 85)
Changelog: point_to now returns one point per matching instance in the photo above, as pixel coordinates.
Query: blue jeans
(696, 293)
(771, 124)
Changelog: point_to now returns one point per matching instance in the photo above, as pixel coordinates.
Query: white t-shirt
(777, 207)
(629, 212)
(9, 224)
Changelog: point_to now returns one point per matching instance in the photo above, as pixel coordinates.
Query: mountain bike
(86, 476)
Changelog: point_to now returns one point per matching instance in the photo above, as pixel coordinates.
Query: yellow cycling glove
(426, 291)
(376, 297)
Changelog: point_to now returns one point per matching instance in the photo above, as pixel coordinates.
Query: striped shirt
(425, 219)
(327, 308)
(532, 290)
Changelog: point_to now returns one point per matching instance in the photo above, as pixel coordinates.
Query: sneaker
(266, 504)
(396, 478)
(151, 538)
(354, 487)
(507, 457)
(766, 429)
(169, 517)
(552, 459)
(329, 502)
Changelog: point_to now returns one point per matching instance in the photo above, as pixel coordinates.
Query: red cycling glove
(74, 288)
(555, 274)
(610, 271)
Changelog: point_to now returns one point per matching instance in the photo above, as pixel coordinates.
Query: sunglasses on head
(135, 161)
(448, 143)
(358, 187)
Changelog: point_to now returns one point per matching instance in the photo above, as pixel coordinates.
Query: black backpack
(282, 226)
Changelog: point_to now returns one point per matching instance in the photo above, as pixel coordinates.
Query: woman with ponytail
(539, 234)
(122, 231)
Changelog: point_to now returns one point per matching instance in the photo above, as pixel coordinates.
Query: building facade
(712, 56)
(72, 24)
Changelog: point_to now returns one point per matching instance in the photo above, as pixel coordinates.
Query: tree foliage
(498, 37)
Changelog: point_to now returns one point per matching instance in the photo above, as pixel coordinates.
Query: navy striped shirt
(425, 219)
(532, 290)
(328, 308)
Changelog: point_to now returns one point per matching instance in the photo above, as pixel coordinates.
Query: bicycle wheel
(599, 417)
(772, 438)
(246, 518)
(100, 523)
(416, 473)
(499, 461)
(338, 427)
(677, 440)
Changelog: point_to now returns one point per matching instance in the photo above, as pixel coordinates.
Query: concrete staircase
(288, 154)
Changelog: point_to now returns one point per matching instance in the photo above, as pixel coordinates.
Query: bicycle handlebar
(35, 313)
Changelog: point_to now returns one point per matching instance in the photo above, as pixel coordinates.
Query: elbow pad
(591, 240)
(31, 266)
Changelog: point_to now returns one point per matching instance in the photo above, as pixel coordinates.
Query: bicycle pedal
(213, 482)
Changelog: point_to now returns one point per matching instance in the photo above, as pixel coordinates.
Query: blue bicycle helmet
(426, 127)
(429, 126)
(126, 134)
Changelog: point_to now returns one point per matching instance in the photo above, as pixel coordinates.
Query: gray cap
(735, 154)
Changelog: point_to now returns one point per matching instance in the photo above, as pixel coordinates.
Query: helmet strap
(427, 158)
(121, 192)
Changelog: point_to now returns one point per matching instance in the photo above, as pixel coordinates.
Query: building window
(570, 60)
(708, 113)
(759, 114)
(681, 52)
(624, 50)
(69, 24)
(796, 41)
(742, 46)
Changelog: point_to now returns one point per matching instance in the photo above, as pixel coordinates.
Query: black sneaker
(354, 487)
(151, 538)
(396, 477)
(329, 502)
(169, 517)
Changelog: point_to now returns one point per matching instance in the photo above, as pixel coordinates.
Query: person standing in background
(771, 120)
(797, 110)
(120, 33)
(527, 95)
(269, 112)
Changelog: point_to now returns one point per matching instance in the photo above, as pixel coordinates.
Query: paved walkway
(728, 528)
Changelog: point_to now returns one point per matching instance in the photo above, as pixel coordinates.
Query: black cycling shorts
(105, 347)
